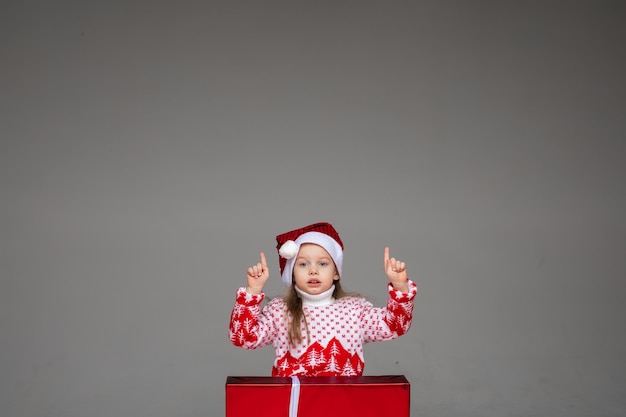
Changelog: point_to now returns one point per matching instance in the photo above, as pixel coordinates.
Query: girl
(317, 329)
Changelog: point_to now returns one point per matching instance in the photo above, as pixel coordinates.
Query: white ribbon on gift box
(295, 397)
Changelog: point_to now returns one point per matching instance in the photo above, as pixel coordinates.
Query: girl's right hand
(257, 276)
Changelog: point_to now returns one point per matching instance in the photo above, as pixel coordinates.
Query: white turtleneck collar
(317, 300)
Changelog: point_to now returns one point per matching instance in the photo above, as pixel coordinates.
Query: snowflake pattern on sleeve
(249, 327)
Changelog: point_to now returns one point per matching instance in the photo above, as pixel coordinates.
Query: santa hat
(322, 234)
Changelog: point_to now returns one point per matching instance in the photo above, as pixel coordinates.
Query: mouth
(314, 282)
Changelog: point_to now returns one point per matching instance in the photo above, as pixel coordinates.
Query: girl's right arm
(250, 327)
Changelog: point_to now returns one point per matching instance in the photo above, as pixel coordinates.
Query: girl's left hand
(396, 272)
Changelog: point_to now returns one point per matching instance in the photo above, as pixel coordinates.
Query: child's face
(314, 270)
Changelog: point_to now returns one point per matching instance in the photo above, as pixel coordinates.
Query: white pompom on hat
(322, 234)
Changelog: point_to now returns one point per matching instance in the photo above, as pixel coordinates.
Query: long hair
(295, 313)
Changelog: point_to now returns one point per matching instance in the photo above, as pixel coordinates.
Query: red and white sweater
(338, 329)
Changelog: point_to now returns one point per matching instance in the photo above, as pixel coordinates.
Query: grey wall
(150, 150)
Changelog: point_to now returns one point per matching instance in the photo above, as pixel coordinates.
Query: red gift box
(328, 396)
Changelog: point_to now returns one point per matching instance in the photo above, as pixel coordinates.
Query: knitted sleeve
(250, 327)
(392, 321)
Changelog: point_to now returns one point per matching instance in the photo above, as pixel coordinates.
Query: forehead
(311, 249)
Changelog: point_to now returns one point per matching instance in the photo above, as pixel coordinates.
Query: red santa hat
(322, 234)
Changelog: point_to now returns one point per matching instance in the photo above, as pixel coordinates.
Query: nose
(312, 270)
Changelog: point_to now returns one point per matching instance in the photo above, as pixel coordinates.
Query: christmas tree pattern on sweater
(337, 332)
(332, 360)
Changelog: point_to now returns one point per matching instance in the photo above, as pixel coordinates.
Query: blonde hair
(295, 313)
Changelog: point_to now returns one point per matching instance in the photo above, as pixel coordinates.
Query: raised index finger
(263, 260)
(386, 255)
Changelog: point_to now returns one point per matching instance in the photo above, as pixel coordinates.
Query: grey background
(150, 150)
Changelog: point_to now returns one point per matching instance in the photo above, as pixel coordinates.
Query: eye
(323, 263)
(302, 264)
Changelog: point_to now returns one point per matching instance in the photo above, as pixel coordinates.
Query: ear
(336, 277)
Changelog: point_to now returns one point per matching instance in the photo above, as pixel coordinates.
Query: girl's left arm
(392, 321)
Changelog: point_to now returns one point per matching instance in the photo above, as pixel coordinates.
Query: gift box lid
(318, 380)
